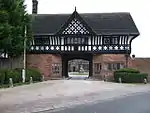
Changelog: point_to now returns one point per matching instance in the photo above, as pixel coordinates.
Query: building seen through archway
(78, 67)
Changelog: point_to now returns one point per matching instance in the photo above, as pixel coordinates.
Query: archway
(82, 57)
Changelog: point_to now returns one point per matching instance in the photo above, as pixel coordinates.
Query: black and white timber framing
(90, 33)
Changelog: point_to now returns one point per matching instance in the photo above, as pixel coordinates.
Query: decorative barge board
(81, 36)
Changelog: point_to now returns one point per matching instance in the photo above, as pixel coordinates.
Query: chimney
(34, 6)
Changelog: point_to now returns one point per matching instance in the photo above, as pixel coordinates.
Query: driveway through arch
(68, 57)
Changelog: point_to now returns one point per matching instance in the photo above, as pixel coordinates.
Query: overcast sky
(139, 9)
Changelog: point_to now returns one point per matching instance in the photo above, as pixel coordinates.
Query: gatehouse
(103, 40)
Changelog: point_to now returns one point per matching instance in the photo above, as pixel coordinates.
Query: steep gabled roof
(100, 23)
(75, 25)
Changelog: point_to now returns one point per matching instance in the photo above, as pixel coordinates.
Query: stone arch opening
(67, 58)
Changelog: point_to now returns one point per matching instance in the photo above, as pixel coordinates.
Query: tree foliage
(13, 19)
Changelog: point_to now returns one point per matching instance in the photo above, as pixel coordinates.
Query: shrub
(30, 72)
(19, 70)
(128, 70)
(16, 75)
(5, 74)
(130, 77)
(10, 73)
(2, 76)
(35, 74)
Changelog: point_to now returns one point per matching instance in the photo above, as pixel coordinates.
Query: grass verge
(16, 84)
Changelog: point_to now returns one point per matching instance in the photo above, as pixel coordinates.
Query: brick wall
(107, 58)
(142, 64)
(43, 62)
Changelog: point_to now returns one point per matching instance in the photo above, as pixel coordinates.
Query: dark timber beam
(84, 42)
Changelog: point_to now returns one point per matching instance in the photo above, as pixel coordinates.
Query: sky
(139, 9)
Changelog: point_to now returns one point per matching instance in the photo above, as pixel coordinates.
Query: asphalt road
(139, 103)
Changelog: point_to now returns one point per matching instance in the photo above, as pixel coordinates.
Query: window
(97, 68)
(41, 40)
(55, 68)
(76, 40)
(109, 66)
(38, 41)
(45, 41)
(108, 40)
(114, 66)
(115, 40)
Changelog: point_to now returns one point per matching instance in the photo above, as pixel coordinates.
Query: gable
(75, 25)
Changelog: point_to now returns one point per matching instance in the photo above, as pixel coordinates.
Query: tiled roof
(100, 23)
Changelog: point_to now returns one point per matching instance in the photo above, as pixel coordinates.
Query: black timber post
(126, 52)
(66, 70)
(91, 67)
(64, 67)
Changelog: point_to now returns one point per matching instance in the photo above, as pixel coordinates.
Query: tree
(13, 19)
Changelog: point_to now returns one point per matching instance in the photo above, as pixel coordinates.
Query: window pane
(118, 65)
(115, 40)
(106, 40)
(97, 66)
(38, 41)
(109, 66)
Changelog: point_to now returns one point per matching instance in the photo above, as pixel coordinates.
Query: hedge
(128, 70)
(16, 75)
(2, 76)
(35, 74)
(130, 76)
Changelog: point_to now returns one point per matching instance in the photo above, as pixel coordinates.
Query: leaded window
(97, 68)
(107, 41)
(56, 68)
(110, 40)
(76, 40)
(114, 66)
(41, 41)
(115, 40)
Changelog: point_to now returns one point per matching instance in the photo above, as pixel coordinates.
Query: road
(58, 94)
(138, 103)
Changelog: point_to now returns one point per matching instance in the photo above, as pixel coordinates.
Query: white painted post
(145, 81)
(24, 58)
(31, 80)
(42, 77)
(10, 82)
(23, 75)
(120, 80)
